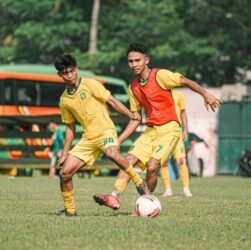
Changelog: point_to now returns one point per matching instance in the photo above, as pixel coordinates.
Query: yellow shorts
(179, 151)
(88, 150)
(157, 142)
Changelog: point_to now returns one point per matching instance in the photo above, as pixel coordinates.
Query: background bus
(34, 90)
(29, 97)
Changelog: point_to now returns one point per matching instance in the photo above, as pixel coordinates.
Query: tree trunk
(94, 28)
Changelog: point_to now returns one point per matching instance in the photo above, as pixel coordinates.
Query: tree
(94, 28)
(207, 40)
(41, 30)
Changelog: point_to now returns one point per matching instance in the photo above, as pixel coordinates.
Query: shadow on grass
(115, 214)
(111, 215)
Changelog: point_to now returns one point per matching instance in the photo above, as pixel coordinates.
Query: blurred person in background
(179, 153)
(58, 144)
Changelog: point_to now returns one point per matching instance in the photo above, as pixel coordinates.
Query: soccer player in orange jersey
(151, 90)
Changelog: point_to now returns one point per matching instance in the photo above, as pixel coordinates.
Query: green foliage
(42, 30)
(205, 40)
(217, 217)
(224, 25)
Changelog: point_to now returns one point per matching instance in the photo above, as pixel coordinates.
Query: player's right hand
(211, 101)
(61, 160)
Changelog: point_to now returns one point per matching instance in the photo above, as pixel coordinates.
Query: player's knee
(64, 175)
(153, 167)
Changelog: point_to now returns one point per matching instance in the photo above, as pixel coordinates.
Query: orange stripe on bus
(38, 77)
(9, 110)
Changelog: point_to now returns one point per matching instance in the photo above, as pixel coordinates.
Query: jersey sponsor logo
(108, 140)
(160, 147)
(83, 95)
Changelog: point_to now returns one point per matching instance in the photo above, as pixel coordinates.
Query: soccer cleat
(143, 189)
(65, 213)
(168, 192)
(187, 192)
(107, 200)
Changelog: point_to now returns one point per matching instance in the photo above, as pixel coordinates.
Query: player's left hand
(211, 101)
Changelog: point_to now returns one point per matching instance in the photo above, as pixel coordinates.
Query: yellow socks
(68, 198)
(164, 173)
(120, 185)
(137, 180)
(184, 174)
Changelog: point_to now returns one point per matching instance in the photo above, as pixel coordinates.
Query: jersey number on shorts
(160, 147)
(108, 140)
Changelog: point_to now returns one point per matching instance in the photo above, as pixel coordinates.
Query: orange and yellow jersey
(87, 106)
(155, 96)
(179, 101)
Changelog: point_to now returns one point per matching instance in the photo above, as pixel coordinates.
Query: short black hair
(65, 61)
(137, 47)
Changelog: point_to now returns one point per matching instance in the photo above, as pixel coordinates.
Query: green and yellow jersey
(87, 106)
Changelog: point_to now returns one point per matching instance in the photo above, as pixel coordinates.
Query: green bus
(34, 90)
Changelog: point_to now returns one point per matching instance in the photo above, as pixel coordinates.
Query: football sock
(164, 173)
(115, 193)
(120, 185)
(184, 174)
(137, 180)
(68, 198)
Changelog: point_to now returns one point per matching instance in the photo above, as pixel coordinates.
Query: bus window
(115, 89)
(27, 93)
(8, 92)
(38, 87)
(50, 93)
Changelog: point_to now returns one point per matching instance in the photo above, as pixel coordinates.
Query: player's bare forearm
(69, 136)
(121, 108)
(131, 127)
(185, 125)
(209, 99)
(192, 85)
(184, 120)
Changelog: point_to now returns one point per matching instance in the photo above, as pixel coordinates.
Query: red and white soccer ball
(147, 206)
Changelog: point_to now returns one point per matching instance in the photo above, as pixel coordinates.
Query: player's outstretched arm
(209, 99)
(69, 136)
(121, 108)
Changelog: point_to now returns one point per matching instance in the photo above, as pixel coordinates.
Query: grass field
(217, 217)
